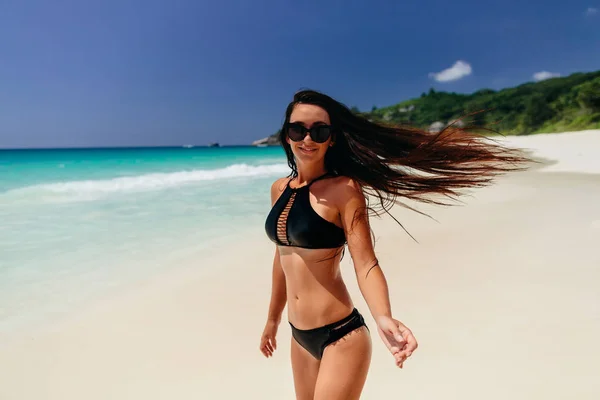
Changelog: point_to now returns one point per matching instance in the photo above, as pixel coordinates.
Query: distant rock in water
(215, 144)
(272, 140)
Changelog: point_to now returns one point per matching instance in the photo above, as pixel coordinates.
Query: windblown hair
(390, 161)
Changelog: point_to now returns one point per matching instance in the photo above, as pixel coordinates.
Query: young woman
(339, 160)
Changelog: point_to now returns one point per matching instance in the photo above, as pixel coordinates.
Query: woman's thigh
(344, 367)
(306, 369)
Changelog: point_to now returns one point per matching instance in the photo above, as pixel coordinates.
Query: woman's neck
(308, 173)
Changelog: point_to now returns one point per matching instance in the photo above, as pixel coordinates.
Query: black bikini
(293, 222)
(315, 340)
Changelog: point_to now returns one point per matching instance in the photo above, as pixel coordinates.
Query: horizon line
(190, 146)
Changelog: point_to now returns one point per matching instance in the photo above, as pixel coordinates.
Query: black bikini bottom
(315, 340)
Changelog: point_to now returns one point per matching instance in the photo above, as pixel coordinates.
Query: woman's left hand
(397, 338)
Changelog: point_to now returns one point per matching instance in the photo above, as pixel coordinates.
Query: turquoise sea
(78, 222)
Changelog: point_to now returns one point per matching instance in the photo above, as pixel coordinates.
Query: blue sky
(147, 72)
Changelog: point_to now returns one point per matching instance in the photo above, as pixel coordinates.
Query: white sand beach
(502, 294)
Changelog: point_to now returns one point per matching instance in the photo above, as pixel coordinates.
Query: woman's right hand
(268, 343)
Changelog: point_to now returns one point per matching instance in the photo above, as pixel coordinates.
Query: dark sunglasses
(318, 134)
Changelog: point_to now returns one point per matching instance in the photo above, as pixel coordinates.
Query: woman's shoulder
(278, 186)
(345, 183)
(343, 189)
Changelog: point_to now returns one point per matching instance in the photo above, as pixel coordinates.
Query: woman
(338, 159)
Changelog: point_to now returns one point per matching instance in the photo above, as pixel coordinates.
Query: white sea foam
(92, 189)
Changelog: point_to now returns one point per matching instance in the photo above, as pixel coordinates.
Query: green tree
(589, 95)
(537, 111)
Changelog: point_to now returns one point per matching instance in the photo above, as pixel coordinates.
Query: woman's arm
(395, 335)
(278, 291)
(268, 340)
(278, 286)
(370, 277)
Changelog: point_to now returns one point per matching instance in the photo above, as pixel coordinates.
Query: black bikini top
(293, 222)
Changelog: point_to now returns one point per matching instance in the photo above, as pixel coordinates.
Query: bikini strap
(308, 184)
(287, 185)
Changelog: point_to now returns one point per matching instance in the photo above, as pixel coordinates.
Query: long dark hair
(390, 161)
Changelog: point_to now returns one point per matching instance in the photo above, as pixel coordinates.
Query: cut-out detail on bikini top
(293, 222)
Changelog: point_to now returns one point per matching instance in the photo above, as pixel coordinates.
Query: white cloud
(542, 75)
(459, 70)
(591, 11)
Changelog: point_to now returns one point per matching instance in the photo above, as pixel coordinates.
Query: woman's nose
(307, 138)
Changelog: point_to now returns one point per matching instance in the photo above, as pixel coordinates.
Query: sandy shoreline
(501, 293)
(577, 154)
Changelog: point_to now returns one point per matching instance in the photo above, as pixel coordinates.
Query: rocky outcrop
(436, 127)
(272, 140)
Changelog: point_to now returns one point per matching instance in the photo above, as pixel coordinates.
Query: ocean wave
(92, 189)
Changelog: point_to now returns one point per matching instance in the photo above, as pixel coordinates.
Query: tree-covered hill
(553, 105)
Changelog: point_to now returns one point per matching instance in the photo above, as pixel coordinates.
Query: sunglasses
(318, 134)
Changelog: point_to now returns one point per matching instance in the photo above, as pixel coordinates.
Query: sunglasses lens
(321, 134)
(318, 134)
(296, 133)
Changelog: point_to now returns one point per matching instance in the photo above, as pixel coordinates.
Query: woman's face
(304, 148)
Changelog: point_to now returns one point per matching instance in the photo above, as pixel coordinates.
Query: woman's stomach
(316, 292)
